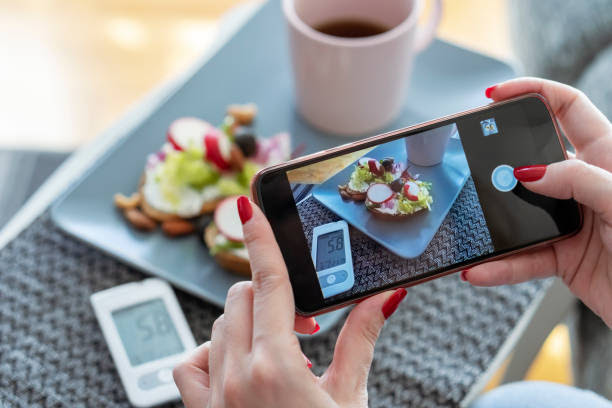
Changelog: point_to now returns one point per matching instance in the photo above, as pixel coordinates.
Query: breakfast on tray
(387, 188)
(196, 169)
(224, 238)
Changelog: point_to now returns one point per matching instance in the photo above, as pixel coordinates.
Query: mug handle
(425, 34)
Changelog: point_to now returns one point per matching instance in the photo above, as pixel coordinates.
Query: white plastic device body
(338, 278)
(150, 382)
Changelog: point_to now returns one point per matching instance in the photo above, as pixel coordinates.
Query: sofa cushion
(596, 81)
(557, 39)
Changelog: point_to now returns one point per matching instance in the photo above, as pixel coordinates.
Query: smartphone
(385, 212)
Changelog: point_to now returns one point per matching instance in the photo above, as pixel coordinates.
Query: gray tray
(406, 237)
(252, 66)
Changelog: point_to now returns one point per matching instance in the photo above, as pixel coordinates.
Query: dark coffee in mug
(363, 51)
(351, 28)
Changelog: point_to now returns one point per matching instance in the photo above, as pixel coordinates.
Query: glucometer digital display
(331, 254)
(330, 250)
(147, 331)
(147, 335)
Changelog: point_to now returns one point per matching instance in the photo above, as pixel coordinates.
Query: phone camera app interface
(489, 127)
(390, 212)
(426, 201)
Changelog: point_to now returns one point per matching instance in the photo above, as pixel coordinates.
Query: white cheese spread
(190, 200)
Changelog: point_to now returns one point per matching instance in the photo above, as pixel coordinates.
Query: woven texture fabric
(52, 352)
(463, 235)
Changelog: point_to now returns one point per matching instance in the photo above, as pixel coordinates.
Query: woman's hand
(254, 358)
(584, 262)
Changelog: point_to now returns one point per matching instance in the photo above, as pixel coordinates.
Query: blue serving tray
(253, 66)
(406, 237)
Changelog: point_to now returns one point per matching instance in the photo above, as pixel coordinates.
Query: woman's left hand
(254, 358)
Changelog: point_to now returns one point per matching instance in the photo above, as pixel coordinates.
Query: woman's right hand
(584, 261)
(254, 358)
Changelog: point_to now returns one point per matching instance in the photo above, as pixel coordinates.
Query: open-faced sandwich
(197, 167)
(387, 188)
(225, 240)
(368, 171)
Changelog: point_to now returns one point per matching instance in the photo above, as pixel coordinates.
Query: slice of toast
(156, 214)
(348, 194)
(226, 259)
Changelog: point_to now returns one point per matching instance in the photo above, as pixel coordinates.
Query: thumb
(589, 185)
(347, 375)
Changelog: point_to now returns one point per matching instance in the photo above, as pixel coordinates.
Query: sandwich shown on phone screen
(414, 204)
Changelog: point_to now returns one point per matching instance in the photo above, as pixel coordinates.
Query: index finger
(581, 121)
(273, 307)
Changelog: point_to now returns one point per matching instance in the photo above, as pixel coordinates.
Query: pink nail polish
(316, 329)
(464, 275)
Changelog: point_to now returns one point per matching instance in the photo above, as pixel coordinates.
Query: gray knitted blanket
(52, 353)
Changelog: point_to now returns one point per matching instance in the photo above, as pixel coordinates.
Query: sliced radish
(411, 191)
(186, 132)
(273, 150)
(378, 193)
(363, 162)
(228, 221)
(218, 148)
(376, 168)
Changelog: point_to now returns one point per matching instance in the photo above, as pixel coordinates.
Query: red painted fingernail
(489, 90)
(245, 211)
(308, 362)
(530, 173)
(393, 302)
(464, 275)
(316, 329)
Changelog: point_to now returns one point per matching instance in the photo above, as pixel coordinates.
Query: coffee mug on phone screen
(353, 86)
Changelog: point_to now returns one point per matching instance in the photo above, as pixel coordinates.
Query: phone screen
(415, 204)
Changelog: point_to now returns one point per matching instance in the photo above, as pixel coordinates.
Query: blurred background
(69, 68)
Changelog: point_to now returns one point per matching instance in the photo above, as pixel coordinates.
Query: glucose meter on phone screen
(331, 254)
(147, 335)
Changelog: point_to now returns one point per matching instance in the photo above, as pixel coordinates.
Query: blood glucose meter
(331, 254)
(147, 335)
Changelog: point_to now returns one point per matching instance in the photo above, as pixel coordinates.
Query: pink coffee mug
(354, 86)
(427, 148)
